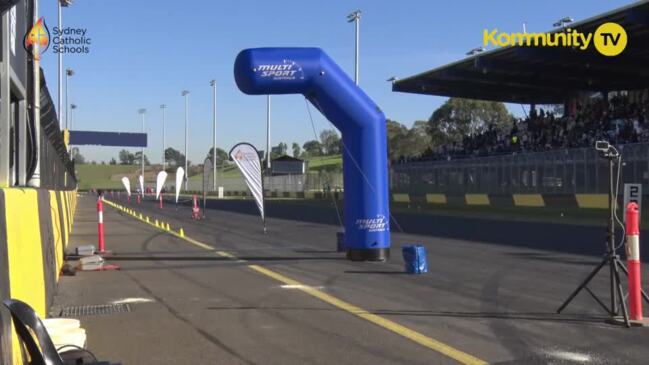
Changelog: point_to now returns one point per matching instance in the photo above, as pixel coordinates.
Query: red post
(160, 200)
(139, 199)
(633, 261)
(100, 225)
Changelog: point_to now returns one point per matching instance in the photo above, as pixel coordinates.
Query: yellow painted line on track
(417, 337)
(406, 332)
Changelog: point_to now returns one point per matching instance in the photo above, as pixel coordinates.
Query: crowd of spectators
(618, 121)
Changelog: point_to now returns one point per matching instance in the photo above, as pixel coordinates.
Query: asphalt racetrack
(490, 297)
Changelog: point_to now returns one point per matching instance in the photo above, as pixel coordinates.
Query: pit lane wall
(35, 226)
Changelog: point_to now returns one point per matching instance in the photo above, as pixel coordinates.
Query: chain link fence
(568, 171)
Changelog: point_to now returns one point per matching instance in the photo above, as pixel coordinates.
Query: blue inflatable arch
(309, 71)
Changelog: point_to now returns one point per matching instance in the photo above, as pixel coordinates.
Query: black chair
(41, 349)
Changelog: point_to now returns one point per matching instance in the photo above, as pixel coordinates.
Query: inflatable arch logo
(310, 72)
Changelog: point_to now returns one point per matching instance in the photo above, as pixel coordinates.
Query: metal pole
(213, 83)
(35, 180)
(72, 107)
(67, 76)
(185, 93)
(356, 74)
(163, 137)
(60, 75)
(268, 134)
(611, 235)
(142, 150)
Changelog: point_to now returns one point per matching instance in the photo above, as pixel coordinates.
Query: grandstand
(602, 98)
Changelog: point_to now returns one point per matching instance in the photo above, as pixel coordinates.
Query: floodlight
(354, 16)
(475, 51)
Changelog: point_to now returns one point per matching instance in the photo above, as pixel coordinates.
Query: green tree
(138, 158)
(113, 161)
(126, 158)
(330, 141)
(221, 155)
(458, 118)
(77, 156)
(312, 148)
(279, 150)
(174, 158)
(296, 150)
(404, 142)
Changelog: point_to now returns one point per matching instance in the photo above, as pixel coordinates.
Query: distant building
(287, 165)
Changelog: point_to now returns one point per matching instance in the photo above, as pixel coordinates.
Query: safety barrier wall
(587, 201)
(35, 226)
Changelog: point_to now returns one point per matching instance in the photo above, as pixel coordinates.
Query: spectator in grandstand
(619, 121)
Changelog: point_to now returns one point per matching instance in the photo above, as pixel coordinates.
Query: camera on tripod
(606, 149)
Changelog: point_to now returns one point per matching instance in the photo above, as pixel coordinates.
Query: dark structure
(287, 165)
(545, 75)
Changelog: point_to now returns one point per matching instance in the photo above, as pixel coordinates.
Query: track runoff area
(480, 302)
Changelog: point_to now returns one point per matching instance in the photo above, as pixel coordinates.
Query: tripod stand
(611, 258)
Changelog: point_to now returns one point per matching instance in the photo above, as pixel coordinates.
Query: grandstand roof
(545, 75)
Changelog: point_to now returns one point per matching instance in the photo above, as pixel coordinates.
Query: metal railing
(567, 171)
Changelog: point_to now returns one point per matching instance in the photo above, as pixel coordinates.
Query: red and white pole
(195, 209)
(633, 261)
(160, 200)
(100, 225)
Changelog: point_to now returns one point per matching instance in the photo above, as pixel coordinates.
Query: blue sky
(144, 53)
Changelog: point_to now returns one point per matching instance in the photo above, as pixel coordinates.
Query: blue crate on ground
(414, 258)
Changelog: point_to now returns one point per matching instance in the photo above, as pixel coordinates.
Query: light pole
(60, 4)
(213, 84)
(142, 113)
(268, 134)
(356, 18)
(68, 72)
(163, 107)
(185, 93)
(72, 108)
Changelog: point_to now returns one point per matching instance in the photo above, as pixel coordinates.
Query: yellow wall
(26, 269)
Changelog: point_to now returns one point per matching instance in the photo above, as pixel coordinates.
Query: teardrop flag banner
(141, 180)
(160, 182)
(127, 185)
(246, 157)
(180, 174)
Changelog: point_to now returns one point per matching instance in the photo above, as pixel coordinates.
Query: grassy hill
(103, 176)
(109, 176)
(326, 163)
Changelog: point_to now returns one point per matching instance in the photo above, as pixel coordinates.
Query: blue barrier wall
(309, 71)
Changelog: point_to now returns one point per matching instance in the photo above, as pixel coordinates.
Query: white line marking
(132, 300)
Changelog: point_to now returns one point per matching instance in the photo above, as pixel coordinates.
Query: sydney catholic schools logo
(37, 40)
(66, 40)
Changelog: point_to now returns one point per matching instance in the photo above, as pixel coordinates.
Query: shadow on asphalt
(220, 258)
(525, 316)
(376, 272)
(565, 238)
